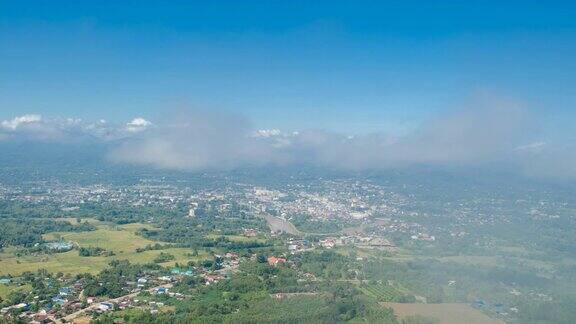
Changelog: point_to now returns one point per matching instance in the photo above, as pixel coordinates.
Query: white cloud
(534, 147)
(21, 120)
(137, 125)
(73, 121)
(34, 127)
(267, 133)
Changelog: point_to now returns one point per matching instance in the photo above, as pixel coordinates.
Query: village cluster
(148, 292)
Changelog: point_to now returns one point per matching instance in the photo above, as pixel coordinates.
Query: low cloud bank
(196, 141)
(34, 127)
(202, 140)
(479, 134)
(487, 133)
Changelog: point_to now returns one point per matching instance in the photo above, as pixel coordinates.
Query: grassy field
(542, 268)
(236, 238)
(118, 239)
(486, 261)
(6, 289)
(74, 221)
(444, 313)
(122, 240)
(380, 292)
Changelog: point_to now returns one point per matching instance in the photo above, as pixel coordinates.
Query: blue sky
(355, 66)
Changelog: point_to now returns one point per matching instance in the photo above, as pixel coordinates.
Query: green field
(236, 238)
(6, 289)
(74, 221)
(380, 292)
(543, 268)
(122, 240)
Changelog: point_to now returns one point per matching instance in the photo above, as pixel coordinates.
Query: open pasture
(121, 240)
